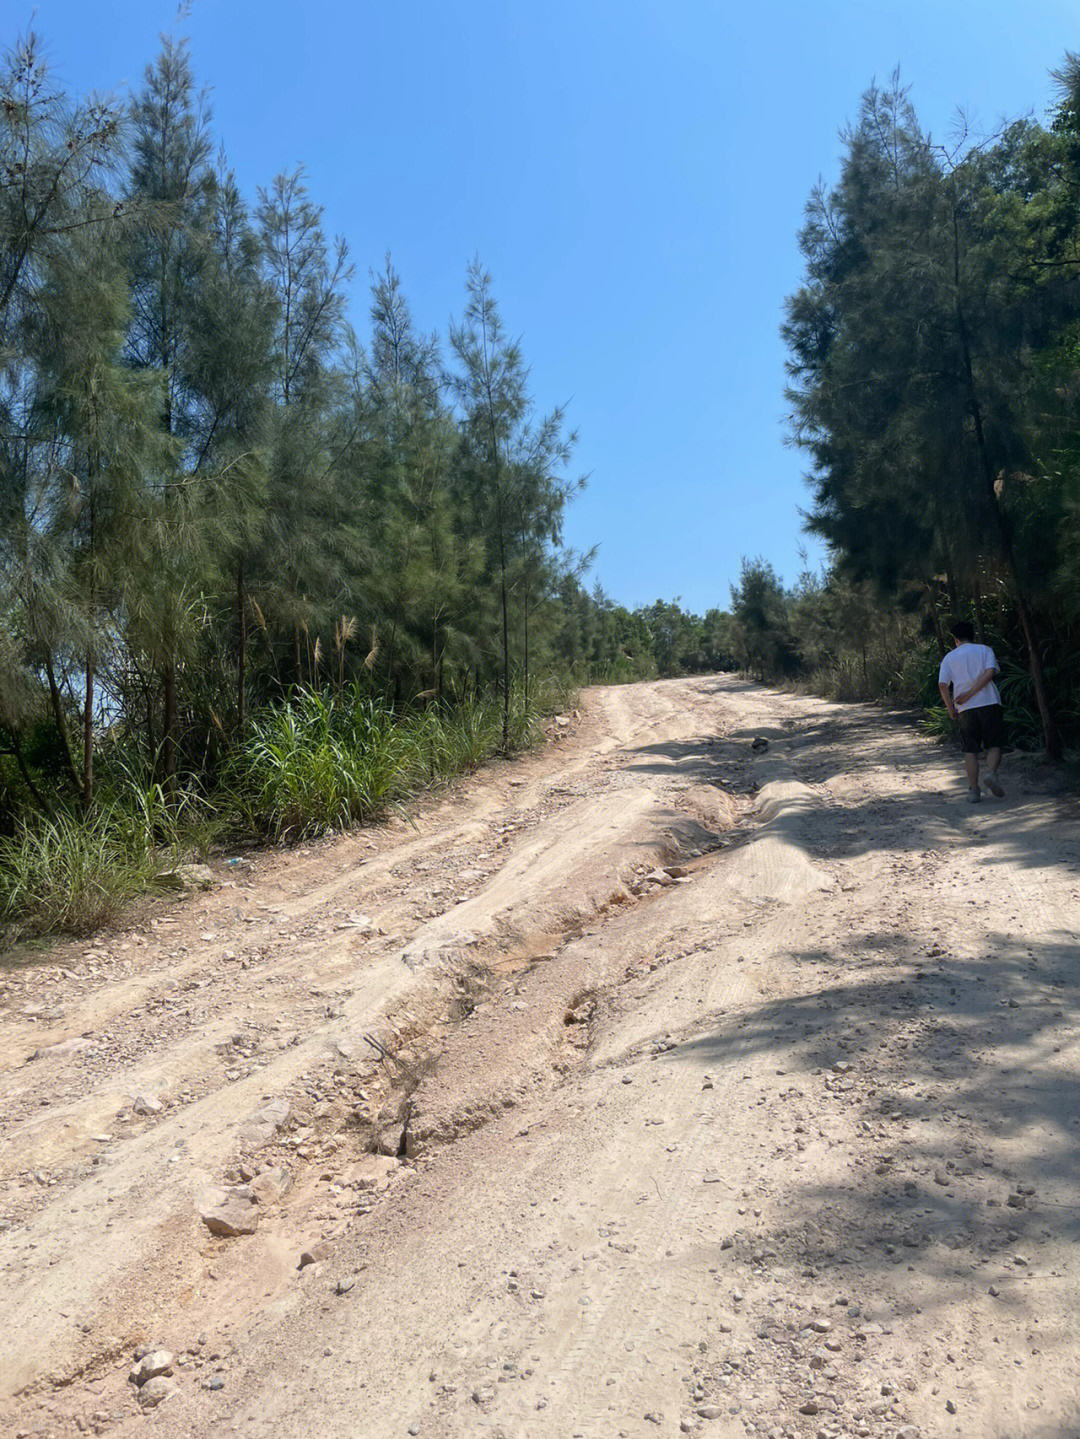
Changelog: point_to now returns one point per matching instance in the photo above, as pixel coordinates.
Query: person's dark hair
(963, 630)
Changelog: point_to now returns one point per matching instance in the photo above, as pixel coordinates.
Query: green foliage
(318, 762)
(215, 504)
(151, 818)
(211, 496)
(764, 641)
(933, 379)
(71, 874)
(321, 762)
(596, 640)
(309, 766)
(457, 739)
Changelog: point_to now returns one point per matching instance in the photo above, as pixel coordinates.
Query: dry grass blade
(344, 631)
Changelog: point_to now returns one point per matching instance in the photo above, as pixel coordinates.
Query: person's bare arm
(981, 682)
(946, 695)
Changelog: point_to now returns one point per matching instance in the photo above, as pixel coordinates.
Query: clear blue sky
(633, 174)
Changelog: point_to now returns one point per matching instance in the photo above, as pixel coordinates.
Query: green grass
(314, 764)
(69, 874)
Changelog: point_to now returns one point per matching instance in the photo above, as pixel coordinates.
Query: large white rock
(229, 1211)
(152, 1366)
(261, 1126)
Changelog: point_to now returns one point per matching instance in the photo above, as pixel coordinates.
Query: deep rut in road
(483, 882)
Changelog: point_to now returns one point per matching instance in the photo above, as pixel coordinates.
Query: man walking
(974, 700)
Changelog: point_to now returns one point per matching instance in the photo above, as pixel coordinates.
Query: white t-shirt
(962, 666)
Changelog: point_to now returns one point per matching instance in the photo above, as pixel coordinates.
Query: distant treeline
(823, 633)
(935, 373)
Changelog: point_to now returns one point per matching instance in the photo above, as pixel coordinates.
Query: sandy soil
(782, 1141)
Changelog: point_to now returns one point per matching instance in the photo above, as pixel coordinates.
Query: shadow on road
(948, 1070)
(1035, 826)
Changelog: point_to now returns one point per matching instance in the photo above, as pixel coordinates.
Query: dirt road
(781, 1141)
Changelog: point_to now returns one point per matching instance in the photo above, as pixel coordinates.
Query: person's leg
(993, 760)
(971, 768)
(994, 735)
(969, 739)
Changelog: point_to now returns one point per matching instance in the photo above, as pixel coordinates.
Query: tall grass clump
(169, 822)
(882, 670)
(456, 739)
(69, 873)
(526, 721)
(314, 764)
(552, 691)
(321, 762)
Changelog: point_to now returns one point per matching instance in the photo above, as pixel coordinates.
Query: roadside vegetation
(258, 579)
(935, 366)
(311, 764)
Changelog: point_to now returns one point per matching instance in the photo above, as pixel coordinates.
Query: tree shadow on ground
(945, 1068)
(1029, 828)
(920, 1119)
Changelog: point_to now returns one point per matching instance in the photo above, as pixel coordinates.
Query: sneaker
(993, 786)
(974, 795)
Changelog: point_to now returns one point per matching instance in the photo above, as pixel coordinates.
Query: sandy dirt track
(783, 1141)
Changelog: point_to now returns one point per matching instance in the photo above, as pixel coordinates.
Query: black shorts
(981, 728)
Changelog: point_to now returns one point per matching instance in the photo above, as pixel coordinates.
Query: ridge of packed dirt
(651, 1084)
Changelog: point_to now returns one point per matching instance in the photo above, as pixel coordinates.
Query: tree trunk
(88, 735)
(506, 660)
(950, 586)
(61, 725)
(169, 725)
(241, 651)
(525, 657)
(151, 739)
(391, 675)
(39, 798)
(980, 628)
(939, 634)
